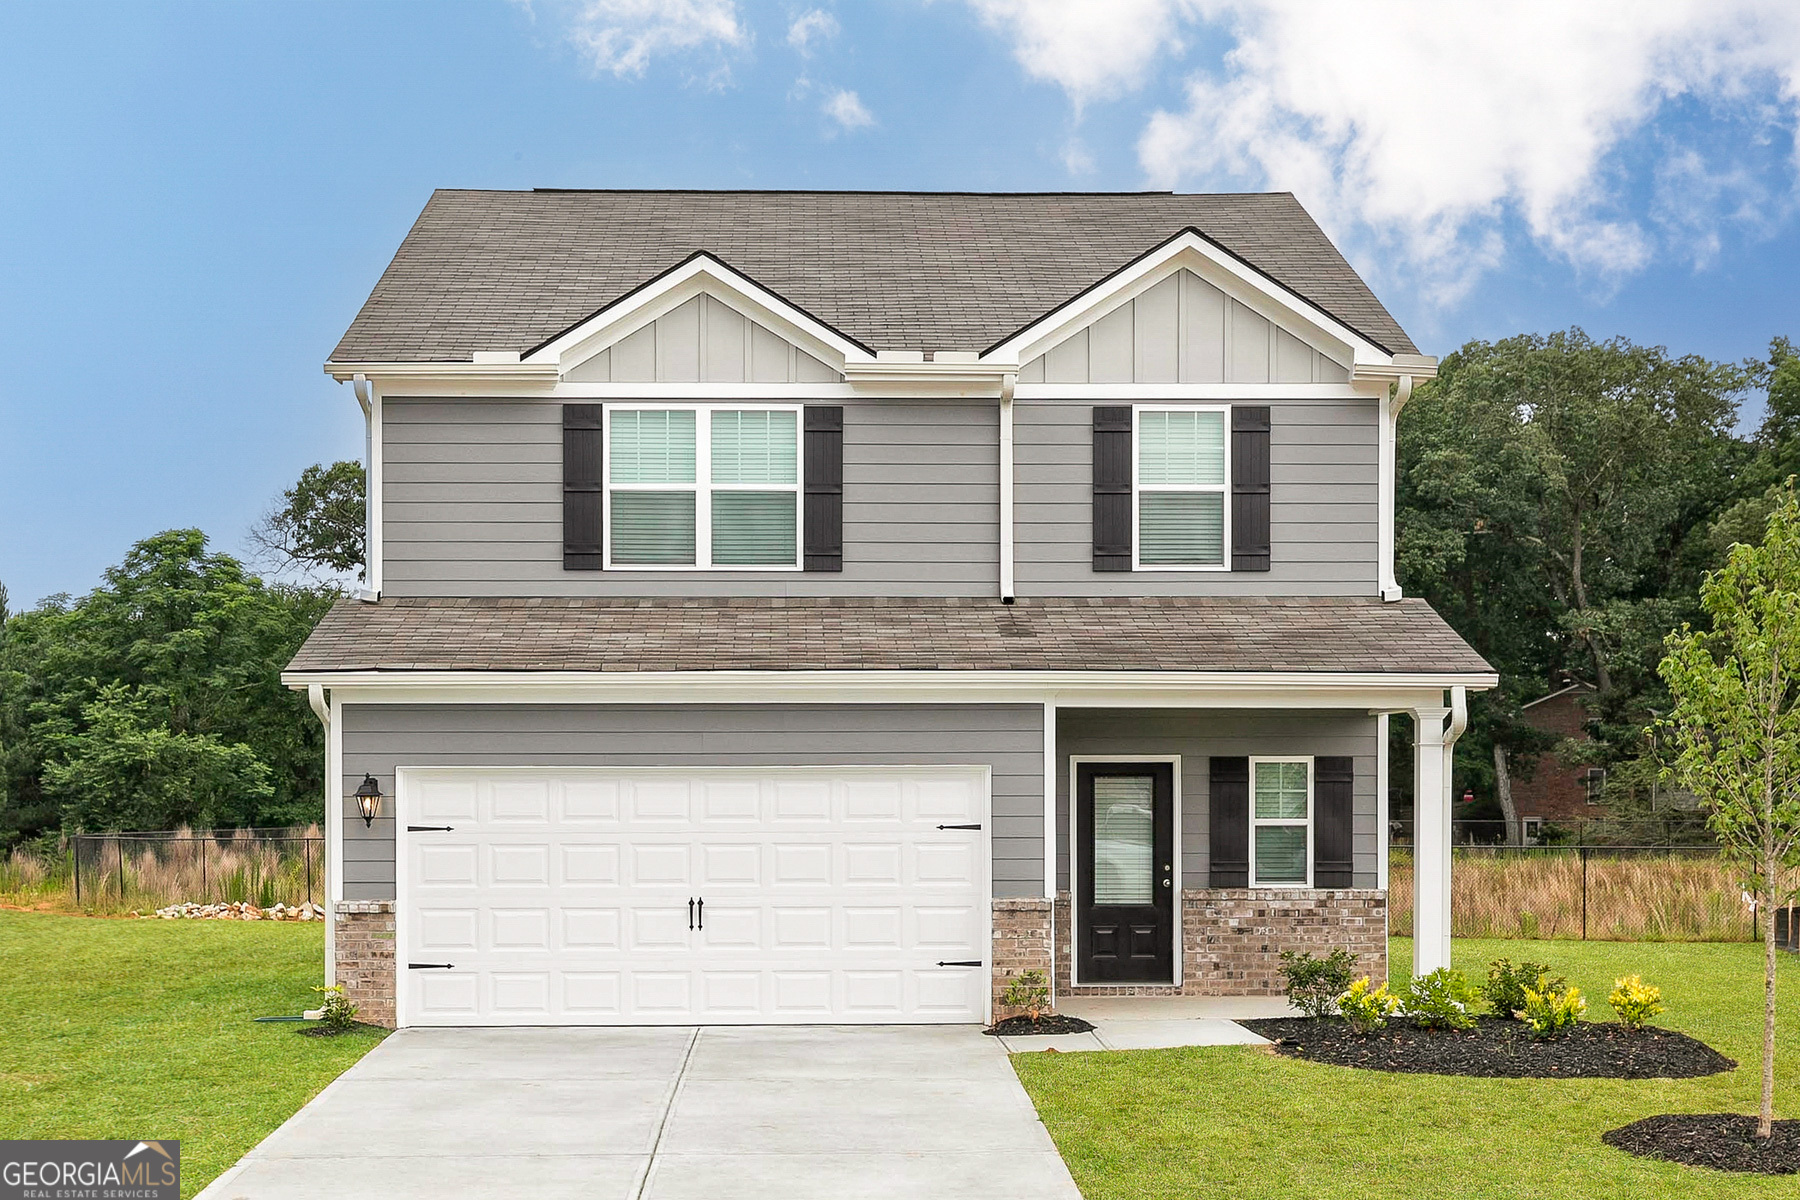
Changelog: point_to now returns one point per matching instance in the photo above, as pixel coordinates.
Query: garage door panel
(563, 896)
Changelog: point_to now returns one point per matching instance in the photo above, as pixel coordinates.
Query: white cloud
(1418, 131)
(813, 25)
(622, 36)
(846, 108)
(1092, 49)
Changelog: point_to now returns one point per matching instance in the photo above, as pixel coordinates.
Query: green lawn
(142, 1029)
(1243, 1123)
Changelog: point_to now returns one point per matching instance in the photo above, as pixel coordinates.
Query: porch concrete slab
(1163, 1035)
(1064, 1043)
(1162, 1008)
(625, 1114)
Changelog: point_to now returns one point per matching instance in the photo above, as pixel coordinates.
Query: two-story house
(820, 607)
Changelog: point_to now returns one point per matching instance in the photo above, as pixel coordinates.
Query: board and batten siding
(1183, 330)
(1198, 734)
(377, 738)
(472, 505)
(704, 340)
(1323, 523)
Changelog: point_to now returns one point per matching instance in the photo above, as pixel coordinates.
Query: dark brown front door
(1125, 839)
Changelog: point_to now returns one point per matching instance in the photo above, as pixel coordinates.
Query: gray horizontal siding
(1009, 738)
(1324, 484)
(472, 505)
(1196, 735)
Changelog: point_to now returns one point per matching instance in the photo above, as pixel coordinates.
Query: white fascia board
(1173, 689)
(1242, 283)
(511, 374)
(1199, 393)
(700, 274)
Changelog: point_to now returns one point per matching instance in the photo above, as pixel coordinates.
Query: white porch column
(1431, 841)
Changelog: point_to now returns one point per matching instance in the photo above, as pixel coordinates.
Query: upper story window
(1182, 472)
(703, 488)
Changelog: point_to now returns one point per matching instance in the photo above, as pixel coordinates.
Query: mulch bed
(1723, 1141)
(1049, 1023)
(1496, 1049)
(316, 1029)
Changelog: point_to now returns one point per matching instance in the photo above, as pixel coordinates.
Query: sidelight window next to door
(1126, 893)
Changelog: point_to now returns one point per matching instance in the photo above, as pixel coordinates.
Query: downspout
(1008, 382)
(315, 696)
(369, 592)
(1389, 455)
(1459, 721)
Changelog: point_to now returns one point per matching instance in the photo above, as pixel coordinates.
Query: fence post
(1584, 873)
(306, 849)
(121, 845)
(75, 849)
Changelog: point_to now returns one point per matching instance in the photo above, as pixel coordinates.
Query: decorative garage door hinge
(972, 963)
(429, 828)
(429, 966)
(959, 827)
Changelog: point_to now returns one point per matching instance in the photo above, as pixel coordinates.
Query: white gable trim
(700, 274)
(1242, 283)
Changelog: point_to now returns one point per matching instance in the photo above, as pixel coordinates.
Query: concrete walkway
(665, 1114)
(1157, 1023)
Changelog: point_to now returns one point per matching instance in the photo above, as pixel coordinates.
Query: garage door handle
(429, 966)
(972, 963)
(959, 827)
(690, 912)
(702, 924)
(429, 828)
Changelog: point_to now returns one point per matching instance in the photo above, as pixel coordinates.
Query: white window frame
(1138, 489)
(703, 486)
(1257, 822)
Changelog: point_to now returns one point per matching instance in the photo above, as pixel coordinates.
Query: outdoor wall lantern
(368, 799)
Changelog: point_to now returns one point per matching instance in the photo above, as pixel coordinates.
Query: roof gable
(506, 271)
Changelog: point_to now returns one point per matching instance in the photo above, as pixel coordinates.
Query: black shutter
(1112, 489)
(1228, 810)
(1334, 802)
(582, 487)
(823, 520)
(1249, 487)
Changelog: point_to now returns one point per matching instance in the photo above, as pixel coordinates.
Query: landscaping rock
(238, 910)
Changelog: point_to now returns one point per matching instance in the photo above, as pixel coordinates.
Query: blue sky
(195, 198)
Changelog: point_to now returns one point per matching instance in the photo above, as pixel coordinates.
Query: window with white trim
(1182, 472)
(1281, 809)
(702, 487)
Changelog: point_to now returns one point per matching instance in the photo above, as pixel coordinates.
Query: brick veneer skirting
(1021, 943)
(1232, 938)
(365, 958)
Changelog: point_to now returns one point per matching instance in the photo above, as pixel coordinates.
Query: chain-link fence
(147, 871)
(1604, 893)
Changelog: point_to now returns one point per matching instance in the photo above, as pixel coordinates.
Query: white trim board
(1177, 958)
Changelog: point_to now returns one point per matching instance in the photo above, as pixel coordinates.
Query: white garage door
(600, 897)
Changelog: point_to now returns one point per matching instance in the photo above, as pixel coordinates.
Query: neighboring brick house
(820, 607)
(1556, 791)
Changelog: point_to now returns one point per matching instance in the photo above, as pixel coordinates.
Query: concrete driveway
(665, 1114)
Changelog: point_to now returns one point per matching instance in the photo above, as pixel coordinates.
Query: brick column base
(1021, 943)
(365, 958)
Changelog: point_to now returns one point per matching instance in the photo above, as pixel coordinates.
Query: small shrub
(1367, 1010)
(1635, 1001)
(1028, 992)
(1314, 984)
(1440, 1000)
(339, 1015)
(1506, 984)
(1550, 1010)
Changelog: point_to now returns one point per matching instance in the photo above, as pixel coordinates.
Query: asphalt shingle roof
(1113, 634)
(893, 270)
